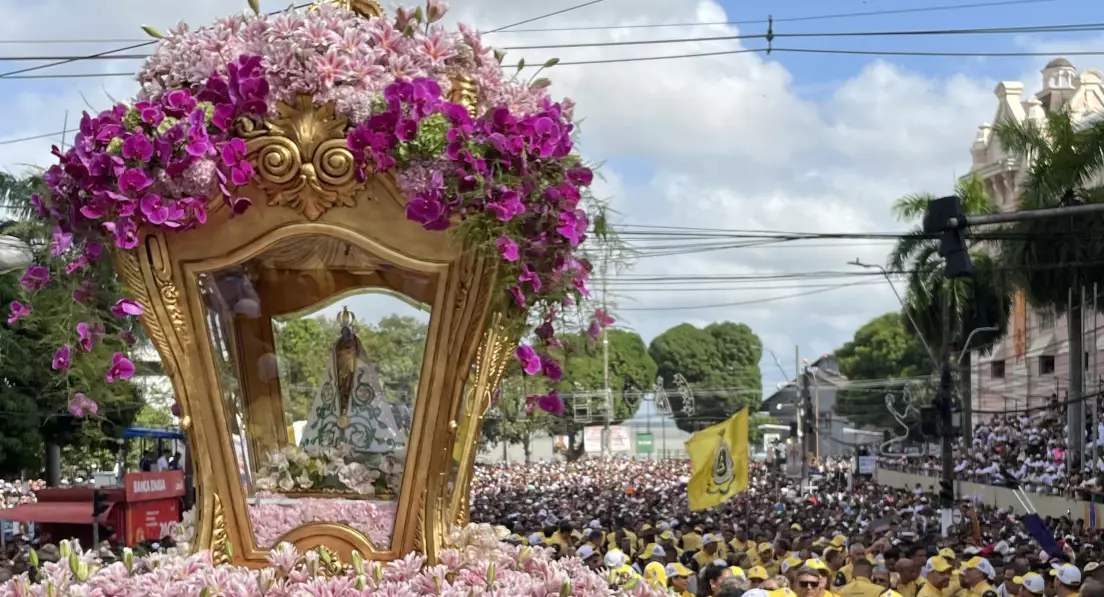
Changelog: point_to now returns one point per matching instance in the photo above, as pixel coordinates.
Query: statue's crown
(346, 318)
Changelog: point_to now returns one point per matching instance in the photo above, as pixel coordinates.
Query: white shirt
(162, 464)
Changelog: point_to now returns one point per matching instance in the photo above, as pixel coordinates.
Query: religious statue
(351, 411)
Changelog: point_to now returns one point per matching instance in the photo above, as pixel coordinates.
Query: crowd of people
(853, 537)
(13, 493)
(1028, 446)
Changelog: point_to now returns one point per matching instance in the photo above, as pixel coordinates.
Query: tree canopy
(304, 348)
(883, 348)
(721, 364)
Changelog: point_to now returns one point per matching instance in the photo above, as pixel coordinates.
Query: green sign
(643, 442)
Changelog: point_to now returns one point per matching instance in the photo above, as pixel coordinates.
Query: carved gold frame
(306, 186)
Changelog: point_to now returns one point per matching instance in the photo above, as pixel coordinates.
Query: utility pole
(607, 395)
(946, 218)
(807, 420)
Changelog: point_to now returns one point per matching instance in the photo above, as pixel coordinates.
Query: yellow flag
(719, 458)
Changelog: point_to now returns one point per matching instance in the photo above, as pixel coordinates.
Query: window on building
(1046, 364)
(1046, 318)
(996, 369)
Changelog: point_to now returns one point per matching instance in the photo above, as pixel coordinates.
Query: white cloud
(721, 142)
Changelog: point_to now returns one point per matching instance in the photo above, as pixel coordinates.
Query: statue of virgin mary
(350, 410)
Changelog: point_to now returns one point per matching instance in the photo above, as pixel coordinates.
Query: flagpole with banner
(719, 460)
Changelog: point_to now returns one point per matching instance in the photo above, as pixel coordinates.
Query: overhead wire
(771, 35)
(548, 15)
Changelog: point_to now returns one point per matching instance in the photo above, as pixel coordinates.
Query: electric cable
(871, 13)
(545, 16)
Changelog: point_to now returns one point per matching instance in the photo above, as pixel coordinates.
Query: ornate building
(1032, 363)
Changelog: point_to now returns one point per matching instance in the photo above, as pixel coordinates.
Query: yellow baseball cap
(666, 535)
(764, 547)
(817, 564)
(939, 564)
(795, 527)
(757, 573)
(652, 551)
(787, 592)
(675, 569)
(838, 541)
(890, 593)
(737, 571)
(948, 553)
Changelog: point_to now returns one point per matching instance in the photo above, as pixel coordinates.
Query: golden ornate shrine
(214, 298)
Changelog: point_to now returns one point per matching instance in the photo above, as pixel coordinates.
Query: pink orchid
(530, 361)
(18, 311)
(34, 278)
(121, 368)
(61, 359)
(126, 307)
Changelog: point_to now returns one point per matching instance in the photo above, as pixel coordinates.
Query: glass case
(318, 348)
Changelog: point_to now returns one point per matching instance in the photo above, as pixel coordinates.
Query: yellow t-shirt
(861, 587)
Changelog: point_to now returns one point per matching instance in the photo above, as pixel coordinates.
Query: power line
(872, 13)
(107, 53)
(545, 16)
(742, 303)
(34, 137)
(1090, 27)
(1086, 27)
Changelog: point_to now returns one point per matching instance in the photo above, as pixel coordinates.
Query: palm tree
(980, 301)
(1051, 259)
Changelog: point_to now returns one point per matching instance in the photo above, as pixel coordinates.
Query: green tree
(33, 392)
(304, 348)
(509, 422)
(883, 348)
(720, 362)
(983, 300)
(1052, 258)
(582, 361)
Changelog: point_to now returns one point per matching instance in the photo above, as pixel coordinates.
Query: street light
(14, 254)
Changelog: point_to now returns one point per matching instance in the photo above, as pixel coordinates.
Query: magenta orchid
(80, 406)
(17, 311)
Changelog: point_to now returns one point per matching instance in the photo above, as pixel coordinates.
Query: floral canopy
(480, 152)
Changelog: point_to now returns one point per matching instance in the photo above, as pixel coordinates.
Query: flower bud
(565, 588)
(358, 562)
(64, 549)
(377, 573)
(152, 32)
(32, 556)
(128, 559)
(74, 562)
(82, 571)
(491, 570)
(115, 146)
(361, 582)
(255, 6)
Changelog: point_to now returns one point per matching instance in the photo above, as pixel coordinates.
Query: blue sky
(799, 142)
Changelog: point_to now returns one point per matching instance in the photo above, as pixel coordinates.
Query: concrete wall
(1045, 505)
(667, 442)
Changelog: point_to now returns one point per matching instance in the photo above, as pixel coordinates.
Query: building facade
(825, 382)
(1031, 364)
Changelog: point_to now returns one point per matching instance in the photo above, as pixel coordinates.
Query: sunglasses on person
(808, 584)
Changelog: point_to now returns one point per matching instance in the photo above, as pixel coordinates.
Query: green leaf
(152, 32)
(540, 83)
(255, 6)
(551, 62)
(499, 55)
(521, 65)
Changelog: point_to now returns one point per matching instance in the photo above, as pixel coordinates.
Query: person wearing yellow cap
(653, 553)
(1067, 581)
(691, 538)
(1032, 584)
(740, 542)
(655, 574)
(977, 574)
(767, 560)
(708, 551)
(824, 571)
(861, 584)
(678, 579)
(756, 576)
(939, 576)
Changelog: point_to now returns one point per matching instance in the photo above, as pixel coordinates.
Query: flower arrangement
(293, 469)
(504, 175)
(474, 563)
(273, 518)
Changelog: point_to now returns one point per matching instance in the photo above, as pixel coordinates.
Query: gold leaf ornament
(302, 159)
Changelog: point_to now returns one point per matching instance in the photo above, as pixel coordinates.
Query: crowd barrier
(1001, 497)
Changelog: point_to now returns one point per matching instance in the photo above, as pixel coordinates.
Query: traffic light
(952, 243)
(929, 421)
(946, 493)
(99, 504)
